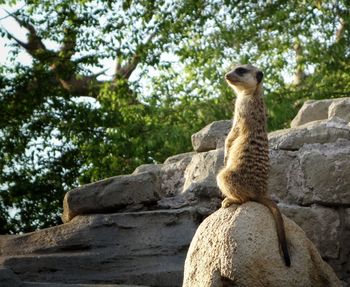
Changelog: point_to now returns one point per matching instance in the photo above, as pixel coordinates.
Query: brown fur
(245, 175)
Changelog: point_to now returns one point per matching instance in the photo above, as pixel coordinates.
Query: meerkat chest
(244, 108)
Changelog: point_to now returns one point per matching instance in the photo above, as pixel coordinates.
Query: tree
(64, 125)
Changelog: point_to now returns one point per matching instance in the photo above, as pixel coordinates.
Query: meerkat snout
(230, 77)
(244, 79)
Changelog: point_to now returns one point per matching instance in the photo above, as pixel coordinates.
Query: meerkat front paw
(226, 202)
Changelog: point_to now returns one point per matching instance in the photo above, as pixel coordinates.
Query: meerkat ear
(259, 76)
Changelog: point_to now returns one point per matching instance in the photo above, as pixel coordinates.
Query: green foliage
(62, 126)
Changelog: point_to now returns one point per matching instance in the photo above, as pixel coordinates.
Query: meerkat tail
(272, 206)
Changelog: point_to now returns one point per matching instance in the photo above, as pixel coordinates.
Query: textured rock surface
(316, 173)
(9, 279)
(323, 109)
(153, 213)
(322, 224)
(111, 194)
(36, 284)
(200, 174)
(340, 109)
(144, 248)
(170, 174)
(325, 131)
(238, 247)
(212, 136)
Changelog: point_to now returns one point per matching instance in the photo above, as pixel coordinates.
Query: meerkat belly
(236, 153)
(249, 158)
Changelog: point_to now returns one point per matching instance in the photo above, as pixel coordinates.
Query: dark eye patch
(241, 71)
(259, 76)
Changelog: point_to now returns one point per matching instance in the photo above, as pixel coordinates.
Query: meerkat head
(245, 79)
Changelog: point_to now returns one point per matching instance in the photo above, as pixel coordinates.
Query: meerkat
(246, 160)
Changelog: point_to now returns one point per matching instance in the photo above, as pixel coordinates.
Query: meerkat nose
(229, 76)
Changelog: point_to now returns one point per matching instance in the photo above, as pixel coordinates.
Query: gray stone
(321, 225)
(200, 174)
(314, 132)
(340, 109)
(193, 179)
(188, 186)
(212, 136)
(309, 177)
(347, 218)
(178, 157)
(282, 164)
(316, 173)
(324, 174)
(9, 279)
(141, 248)
(37, 284)
(172, 176)
(238, 246)
(152, 168)
(313, 110)
(111, 194)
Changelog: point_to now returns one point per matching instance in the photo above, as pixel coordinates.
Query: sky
(11, 26)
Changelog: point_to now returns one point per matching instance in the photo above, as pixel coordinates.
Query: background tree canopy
(64, 125)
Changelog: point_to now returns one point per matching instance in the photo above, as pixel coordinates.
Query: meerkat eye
(241, 71)
(259, 76)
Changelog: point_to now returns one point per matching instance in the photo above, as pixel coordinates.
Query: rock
(140, 248)
(326, 131)
(173, 175)
(36, 284)
(111, 194)
(179, 157)
(212, 136)
(324, 173)
(316, 173)
(321, 225)
(340, 108)
(194, 180)
(238, 246)
(9, 279)
(347, 218)
(151, 215)
(282, 164)
(170, 174)
(200, 174)
(311, 111)
(322, 109)
(151, 168)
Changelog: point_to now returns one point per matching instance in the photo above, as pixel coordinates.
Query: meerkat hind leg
(229, 201)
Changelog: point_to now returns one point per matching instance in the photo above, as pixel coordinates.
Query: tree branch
(126, 70)
(69, 42)
(60, 62)
(299, 75)
(340, 31)
(34, 46)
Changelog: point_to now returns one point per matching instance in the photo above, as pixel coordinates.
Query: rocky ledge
(136, 229)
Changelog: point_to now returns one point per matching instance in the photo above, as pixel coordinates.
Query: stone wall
(136, 229)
